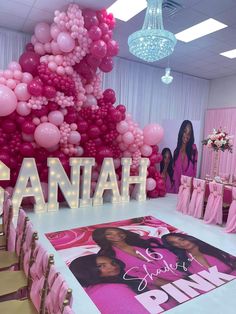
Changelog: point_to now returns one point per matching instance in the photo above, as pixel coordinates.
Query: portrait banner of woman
(183, 140)
(141, 265)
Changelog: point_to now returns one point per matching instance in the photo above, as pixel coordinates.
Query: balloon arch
(52, 104)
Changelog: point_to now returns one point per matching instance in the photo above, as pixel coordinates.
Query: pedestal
(216, 163)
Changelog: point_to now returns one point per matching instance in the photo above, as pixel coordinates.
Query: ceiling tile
(212, 7)
(15, 8)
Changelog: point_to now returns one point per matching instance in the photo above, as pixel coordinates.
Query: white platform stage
(219, 301)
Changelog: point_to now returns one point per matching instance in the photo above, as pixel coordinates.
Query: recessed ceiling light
(124, 10)
(199, 30)
(229, 54)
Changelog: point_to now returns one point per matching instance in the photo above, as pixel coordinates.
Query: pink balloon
(153, 134)
(122, 127)
(22, 109)
(26, 77)
(74, 137)
(56, 117)
(146, 150)
(128, 138)
(11, 83)
(55, 48)
(47, 135)
(65, 42)
(8, 101)
(54, 31)
(18, 75)
(42, 32)
(13, 65)
(90, 101)
(39, 48)
(150, 184)
(8, 74)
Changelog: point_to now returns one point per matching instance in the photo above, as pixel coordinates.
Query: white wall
(222, 92)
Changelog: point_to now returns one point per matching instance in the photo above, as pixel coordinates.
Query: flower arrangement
(219, 140)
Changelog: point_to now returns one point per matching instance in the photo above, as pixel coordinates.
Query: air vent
(171, 7)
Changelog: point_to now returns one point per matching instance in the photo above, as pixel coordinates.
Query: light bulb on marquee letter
(85, 199)
(28, 173)
(58, 177)
(107, 181)
(4, 175)
(126, 179)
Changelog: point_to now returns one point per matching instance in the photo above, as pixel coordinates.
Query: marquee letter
(214, 276)
(28, 173)
(126, 179)
(152, 299)
(187, 286)
(85, 199)
(4, 175)
(106, 181)
(58, 177)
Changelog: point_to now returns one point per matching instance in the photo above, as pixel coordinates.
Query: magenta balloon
(95, 33)
(47, 135)
(112, 48)
(8, 126)
(28, 127)
(93, 61)
(29, 47)
(90, 18)
(42, 32)
(65, 42)
(27, 150)
(49, 91)
(109, 95)
(35, 88)
(99, 49)
(29, 62)
(8, 101)
(153, 134)
(94, 132)
(106, 64)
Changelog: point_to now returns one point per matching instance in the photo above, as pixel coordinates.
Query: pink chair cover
(197, 199)
(11, 238)
(231, 220)
(27, 246)
(214, 212)
(20, 229)
(68, 310)
(38, 271)
(6, 207)
(184, 194)
(57, 292)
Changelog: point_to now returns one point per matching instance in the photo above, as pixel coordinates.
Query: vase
(216, 163)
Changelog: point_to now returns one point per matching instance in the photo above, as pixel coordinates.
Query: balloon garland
(52, 104)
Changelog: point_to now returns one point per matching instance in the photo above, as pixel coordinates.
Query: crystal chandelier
(152, 42)
(167, 78)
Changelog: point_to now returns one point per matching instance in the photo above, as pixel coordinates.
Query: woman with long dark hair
(166, 169)
(194, 255)
(102, 279)
(185, 154)
(146, 259)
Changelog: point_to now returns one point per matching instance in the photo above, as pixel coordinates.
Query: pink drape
(215, 118)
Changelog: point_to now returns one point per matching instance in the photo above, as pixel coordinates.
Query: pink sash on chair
(197, 199)
(214, 211)
(184, 194)
(231, 221)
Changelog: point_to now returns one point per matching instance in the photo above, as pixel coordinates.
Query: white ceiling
(199, 58)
